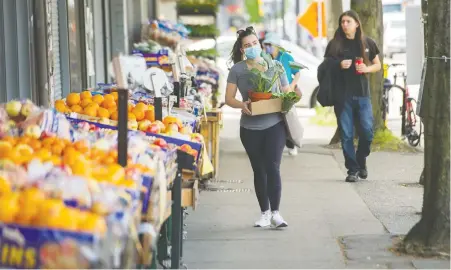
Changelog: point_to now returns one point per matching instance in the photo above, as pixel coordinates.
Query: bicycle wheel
(413, 137)
(403, 119)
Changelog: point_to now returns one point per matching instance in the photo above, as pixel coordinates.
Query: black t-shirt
(357, 85)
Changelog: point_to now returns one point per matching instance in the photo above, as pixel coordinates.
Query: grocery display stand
(184, 189)
(204, 14)
(210, 130)
(170, 245)
(175, 187)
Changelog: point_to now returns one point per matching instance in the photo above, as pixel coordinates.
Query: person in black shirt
(356, 56)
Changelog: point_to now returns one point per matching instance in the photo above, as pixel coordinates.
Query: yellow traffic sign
(311, 21)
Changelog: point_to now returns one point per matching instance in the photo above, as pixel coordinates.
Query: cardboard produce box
(266, 106)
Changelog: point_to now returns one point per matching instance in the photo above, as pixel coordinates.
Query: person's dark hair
(236, 55)
(335, 48)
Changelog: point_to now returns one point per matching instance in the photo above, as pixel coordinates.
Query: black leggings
(265, 148)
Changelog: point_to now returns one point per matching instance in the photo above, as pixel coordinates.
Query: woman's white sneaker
(293, 152)
(265, 220)
(277, 220)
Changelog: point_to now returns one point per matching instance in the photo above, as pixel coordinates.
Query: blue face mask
(269, 49)
(253, 52)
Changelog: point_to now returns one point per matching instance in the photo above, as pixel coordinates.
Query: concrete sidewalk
(332, 224)
(318, 205)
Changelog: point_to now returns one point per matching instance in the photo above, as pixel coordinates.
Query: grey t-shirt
(241, 76)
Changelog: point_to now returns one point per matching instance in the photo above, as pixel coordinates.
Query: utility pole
(274, 9)
(298, 29)
(319, 49)
(283, 19)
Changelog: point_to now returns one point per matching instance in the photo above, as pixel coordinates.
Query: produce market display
(64, 200)
(71, 195)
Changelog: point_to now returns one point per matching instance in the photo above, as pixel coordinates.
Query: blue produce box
(36, 248)
(160, 59)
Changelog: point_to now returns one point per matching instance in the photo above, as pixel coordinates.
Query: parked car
(308, 82)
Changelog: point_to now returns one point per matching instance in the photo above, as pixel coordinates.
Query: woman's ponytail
(237, 55)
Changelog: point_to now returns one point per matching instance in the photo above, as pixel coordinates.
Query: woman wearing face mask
(263, 136)
(271, 44)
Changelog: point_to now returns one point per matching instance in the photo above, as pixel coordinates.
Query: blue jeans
(355, 110)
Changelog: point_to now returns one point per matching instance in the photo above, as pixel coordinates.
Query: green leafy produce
(210, 53)
(203, 30)
(288, 100)
(197, 7)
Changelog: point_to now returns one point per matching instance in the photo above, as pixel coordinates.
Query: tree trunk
(334, 8)
(430, 236)
(422, 178)
(370, 13)
(424, 11)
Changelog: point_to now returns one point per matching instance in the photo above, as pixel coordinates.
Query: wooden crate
(210, 128)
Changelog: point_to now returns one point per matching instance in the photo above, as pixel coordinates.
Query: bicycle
(408, 115)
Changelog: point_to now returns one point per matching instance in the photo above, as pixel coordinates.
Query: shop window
(76, 62)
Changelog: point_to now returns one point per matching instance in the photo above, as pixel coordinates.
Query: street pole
(283, 19)
(319, 48)
(298, 29)
(274, 8)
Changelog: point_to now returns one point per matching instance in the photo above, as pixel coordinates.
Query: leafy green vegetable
(288, 100)
(203, 30)
(209, 53)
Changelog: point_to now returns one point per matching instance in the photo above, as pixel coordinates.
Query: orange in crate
(86, 95)
(139, 113)
(61, 107)
(111, 110)
(115, 96)
(131, 116)
(5, 186)
(9, 206)
(150, 115)
(57, 149)
(108, 97)
(86, 102)
(76, 108)
(114, 116)
(5, 147)
(90, 111)
(35, 144)
(73, 99)
(103, 113)
(107, 103)
(141, 106)
(98, 99)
